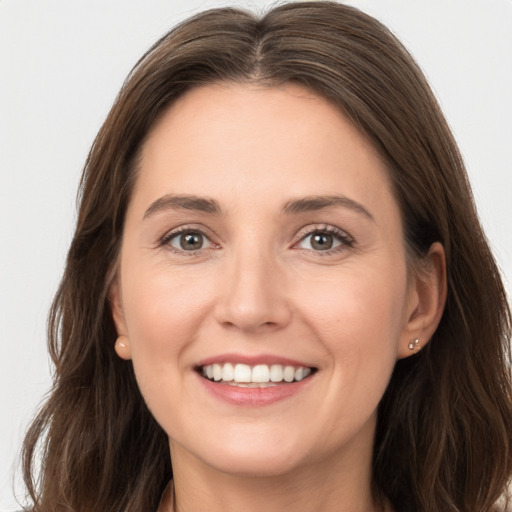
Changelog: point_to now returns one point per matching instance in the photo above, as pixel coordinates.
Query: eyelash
(165, 240)
(345, 239)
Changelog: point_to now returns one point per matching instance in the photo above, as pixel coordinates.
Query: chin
(251, 454)
(256, 465)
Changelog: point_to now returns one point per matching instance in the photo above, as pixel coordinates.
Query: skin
(259, 286)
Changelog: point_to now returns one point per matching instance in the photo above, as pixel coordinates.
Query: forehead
(238, 140)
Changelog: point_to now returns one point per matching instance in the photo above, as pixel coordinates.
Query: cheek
(357, 305)
(163, 311)
(359, 317)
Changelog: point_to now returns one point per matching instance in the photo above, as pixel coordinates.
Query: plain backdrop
(61, 65)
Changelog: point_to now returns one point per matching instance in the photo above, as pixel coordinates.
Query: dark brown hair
(443, 439)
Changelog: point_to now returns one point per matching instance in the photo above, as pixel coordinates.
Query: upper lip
(252, 360)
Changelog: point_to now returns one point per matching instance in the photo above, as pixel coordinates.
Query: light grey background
(61, 65)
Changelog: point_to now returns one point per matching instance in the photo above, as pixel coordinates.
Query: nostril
(252, 300)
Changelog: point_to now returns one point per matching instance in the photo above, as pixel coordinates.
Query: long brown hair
(444, 434)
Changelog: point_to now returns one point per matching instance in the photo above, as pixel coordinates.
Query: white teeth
(242, 373)
(289, 373)
(276, 373)
(217, 372)
(228, 372)
(251, 384)
(261, 375)
(301, 373)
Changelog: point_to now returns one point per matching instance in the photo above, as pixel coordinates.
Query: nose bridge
(252, 292)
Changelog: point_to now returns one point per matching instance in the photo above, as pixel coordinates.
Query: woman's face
(262, 243)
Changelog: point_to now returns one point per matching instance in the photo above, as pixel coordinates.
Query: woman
(278, 294)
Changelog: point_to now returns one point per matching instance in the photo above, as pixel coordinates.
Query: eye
(319, 242)
(187, 240)
(324, 239)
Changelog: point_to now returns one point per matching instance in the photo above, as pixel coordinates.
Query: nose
(252, 294)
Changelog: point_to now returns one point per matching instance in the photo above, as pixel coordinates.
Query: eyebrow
(294, 206)
(183, 202)
(313, 203)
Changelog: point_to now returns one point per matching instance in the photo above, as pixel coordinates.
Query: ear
(425, 303)
(122, 345)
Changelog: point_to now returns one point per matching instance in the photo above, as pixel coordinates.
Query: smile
(260, 375)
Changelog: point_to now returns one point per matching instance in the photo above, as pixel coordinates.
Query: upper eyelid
(318, 228)
(199, 228)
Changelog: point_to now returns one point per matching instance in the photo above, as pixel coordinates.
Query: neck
(275, 496)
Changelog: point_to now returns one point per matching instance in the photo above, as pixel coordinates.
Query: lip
(252, 360)
(253, 397)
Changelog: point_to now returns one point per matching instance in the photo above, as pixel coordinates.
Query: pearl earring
(122, 347)
(414, 344)
(120, 343)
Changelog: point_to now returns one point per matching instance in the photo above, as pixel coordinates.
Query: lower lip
(253, 396)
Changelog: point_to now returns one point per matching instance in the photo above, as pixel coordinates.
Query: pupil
(191, 241)
(321, 242)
